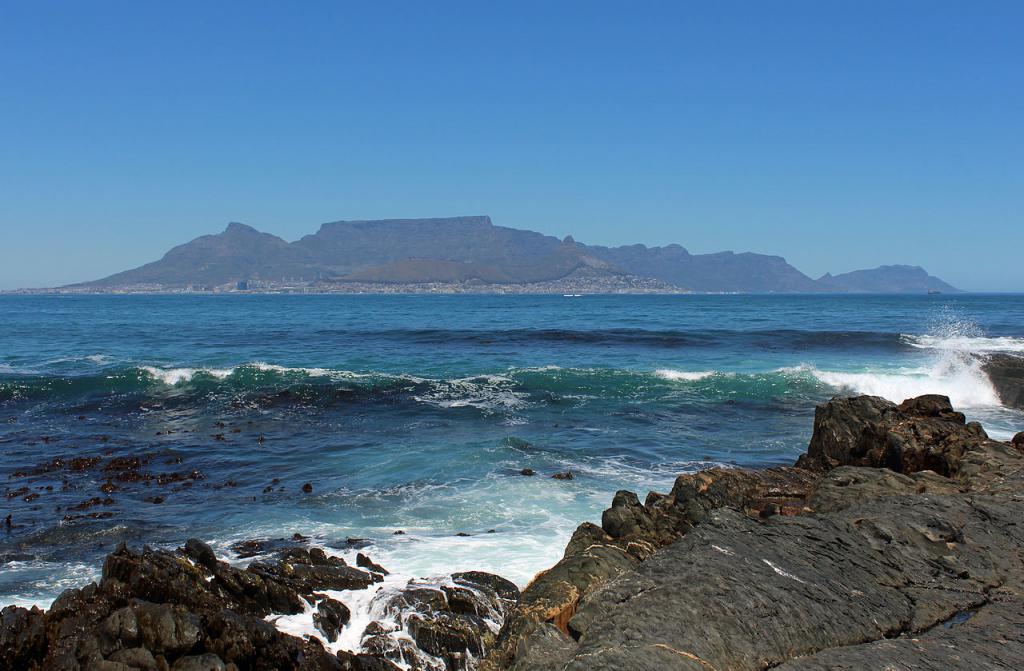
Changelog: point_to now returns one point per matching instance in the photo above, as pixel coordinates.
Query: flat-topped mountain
(460, 250)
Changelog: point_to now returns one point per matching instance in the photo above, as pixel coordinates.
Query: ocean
(152, 418)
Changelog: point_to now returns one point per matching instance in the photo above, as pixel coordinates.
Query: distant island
(472, 255)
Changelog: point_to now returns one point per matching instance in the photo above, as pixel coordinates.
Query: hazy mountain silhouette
(462, 249)
(886, 279)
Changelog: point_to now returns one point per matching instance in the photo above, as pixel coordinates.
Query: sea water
(416, 414)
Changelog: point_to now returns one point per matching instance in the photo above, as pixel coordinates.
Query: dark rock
(330, 617)
(167, 630)
(136, 658)
(1017, 441)
(564, 475)
(365, 562)
(201, 553)
(264, 546)
(157, 610)
(921, 434)
(22, 637)
(204, 662)
(505, 590)
(527, 471)
(306, 571)
(452, 637)
(307, 488)
(1006, 371)
(363, 662)
(544, 649)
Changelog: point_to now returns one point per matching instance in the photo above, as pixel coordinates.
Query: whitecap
(683, 375)
(965, 343)
(173, 376)
(959, 378)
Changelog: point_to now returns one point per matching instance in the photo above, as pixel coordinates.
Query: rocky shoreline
(895, 541)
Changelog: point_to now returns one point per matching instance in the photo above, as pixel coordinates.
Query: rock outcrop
(893, 544)
(186, 610)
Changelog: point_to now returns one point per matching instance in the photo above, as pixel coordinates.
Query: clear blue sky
(840, 135)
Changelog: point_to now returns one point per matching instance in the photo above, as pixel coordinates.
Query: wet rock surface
(895, 544)
(188, 610)
(1006, 371)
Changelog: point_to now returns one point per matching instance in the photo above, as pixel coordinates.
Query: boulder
(923, 433)
(330, 617)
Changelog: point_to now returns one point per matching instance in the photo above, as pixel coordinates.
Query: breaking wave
(951, 370)
(966, 343)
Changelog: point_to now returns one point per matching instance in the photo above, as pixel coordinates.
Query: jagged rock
(22, 636)
(330, 617)
(307, 571)
(924, 433)
(450, 621)
(158, 610)
(363, 561)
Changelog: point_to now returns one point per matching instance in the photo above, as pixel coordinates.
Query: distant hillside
(886, 279)
(724, 271)
(240, 252)
(472, 249)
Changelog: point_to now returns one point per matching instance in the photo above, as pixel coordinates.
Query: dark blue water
(155, 418)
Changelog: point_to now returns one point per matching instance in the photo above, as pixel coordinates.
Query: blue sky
(840, 135)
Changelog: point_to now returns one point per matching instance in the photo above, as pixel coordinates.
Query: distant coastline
(439, 289)
(470, 255)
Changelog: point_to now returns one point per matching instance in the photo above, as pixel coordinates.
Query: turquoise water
(416, 413)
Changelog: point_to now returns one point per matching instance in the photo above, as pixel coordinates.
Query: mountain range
(473, 250)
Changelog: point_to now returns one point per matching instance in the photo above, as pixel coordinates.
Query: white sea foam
(683, 375)
(173, 376)
(312, 372)
(492, 393)
(966, 343)
(966, 385)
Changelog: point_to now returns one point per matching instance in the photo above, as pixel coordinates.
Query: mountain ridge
(472, 249)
